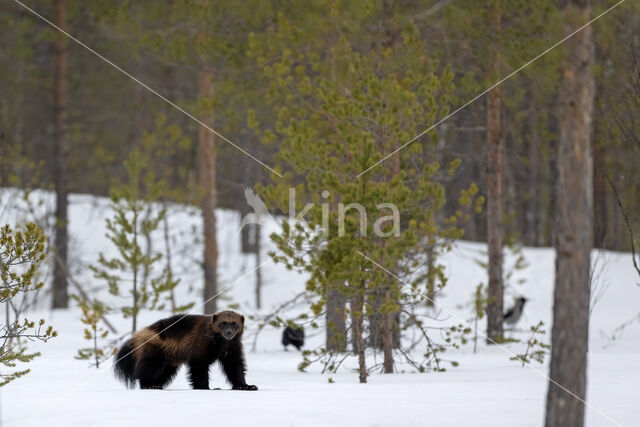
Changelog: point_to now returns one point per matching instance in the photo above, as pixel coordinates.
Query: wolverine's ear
(242, 319)
(214, 317)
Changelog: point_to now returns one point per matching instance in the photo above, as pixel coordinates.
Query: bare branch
(628, 224)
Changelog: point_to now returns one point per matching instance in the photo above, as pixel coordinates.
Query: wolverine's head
(227, 323)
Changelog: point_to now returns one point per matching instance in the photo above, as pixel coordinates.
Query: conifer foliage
(343, 110)
(21, 251)
(95, 332)
(131, 272)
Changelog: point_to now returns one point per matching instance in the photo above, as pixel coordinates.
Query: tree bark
(374, 338)
(336, 323)
(389, 321)
(495, 168)
(357, 306)
(258, 230)
(601, 219)
(207, 166)
(60, 296)
(574, 226)
(246, 245)
(387, 335)
(431, 276)
(532, 214)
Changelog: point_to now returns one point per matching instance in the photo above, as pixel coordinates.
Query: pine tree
(60, 297)
(92, 315)
(162, 145)
(209, 198)
(574, 226)
(214, 43)
(126, 230)
(496, 33)
(343, 110)
(536, 349)
(21, 252)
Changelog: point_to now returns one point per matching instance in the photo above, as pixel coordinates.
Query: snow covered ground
(486, 389)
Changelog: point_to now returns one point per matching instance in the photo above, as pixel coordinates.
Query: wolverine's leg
(153, 371)
(199, 375)
(234, 368)
(165, 376)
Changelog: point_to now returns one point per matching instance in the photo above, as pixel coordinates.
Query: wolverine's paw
(246, 387)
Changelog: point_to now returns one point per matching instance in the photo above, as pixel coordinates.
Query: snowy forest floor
(485, 389)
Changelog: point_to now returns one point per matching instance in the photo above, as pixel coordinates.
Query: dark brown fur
(153, 355)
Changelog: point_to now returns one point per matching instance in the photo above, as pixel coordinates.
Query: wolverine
(152, 356)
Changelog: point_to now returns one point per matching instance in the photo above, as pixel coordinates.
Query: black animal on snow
(512, 316)
(152, 356)
(294, 337)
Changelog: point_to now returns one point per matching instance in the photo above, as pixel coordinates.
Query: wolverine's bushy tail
(125, 364)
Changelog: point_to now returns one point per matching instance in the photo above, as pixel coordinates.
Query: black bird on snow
(512, 316)
(292, 336)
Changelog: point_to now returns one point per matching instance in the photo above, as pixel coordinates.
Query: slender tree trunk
(7, 314)
(60, 297)
(258, 229)
(246, 247)
(336, 321)
(174, 161)
(167, 252)
(601, 219)
(207, 166)
(431, 276)
(387, 335)
(357, 306)
(135, 261)
(533, 206)
(574, 230)
(354, 330)
(495, 168)
(256, 173)
(389, 324)
(431, 248)
(148, 250)
(600, 186)
(95, 346)
(374, 338)
(550, 223)
(617, 225)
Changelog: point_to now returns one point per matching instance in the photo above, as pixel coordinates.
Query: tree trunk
(574, 226)
(357, 306)
(494, 192)
(601, 219)
(336, 323)
(148, 251)
(135, 261)
(354, 330)
(431, 276)
(60, 297)
(173, 181)
(246, 245)
(207, 166)
(374, 338)
(532, 213)
(389, 321)
(167, 255)
(257, 231)
(387, 335)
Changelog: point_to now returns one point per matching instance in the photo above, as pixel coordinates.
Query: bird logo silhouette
(260, 212)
